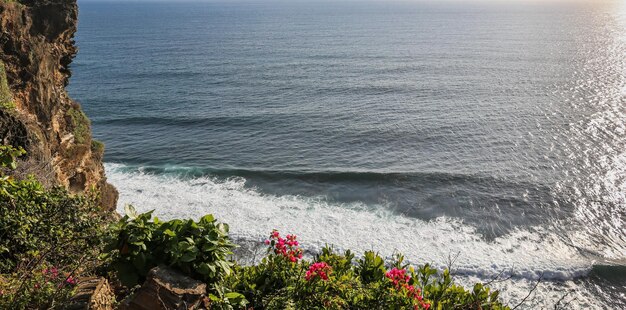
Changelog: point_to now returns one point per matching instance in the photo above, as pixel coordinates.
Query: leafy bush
(42, 227)
(44, 287)
(333, 281)
(269, 283)
(371, 267)
(8, 156)
(198, 249)
(35, 221)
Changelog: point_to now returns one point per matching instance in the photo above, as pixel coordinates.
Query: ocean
(493, 135)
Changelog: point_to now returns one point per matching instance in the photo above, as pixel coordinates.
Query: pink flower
(400, 280)
(398, 277)
(54, 272)
(288, 248)
(70, 280)
(320, 269)
(422, 305)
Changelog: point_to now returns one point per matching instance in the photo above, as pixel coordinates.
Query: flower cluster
(71, 281)
(51, 275)
(321, 270)
(398, 277)
(400, 280)
(286, 247)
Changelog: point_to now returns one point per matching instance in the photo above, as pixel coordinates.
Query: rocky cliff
(36, 49)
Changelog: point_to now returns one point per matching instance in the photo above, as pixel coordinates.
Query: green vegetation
(49, 237)
(9, 155)
(46, 234)
(97, 147)
(196, 248)
(283, 280)
(37, 221)
(6, 99)
(80, 124)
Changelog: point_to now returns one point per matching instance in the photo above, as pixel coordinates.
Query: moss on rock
(80, 125)
(6, 99)
(97, 147)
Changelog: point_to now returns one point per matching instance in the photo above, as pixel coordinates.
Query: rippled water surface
(492, 132)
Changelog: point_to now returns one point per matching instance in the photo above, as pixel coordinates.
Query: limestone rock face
(36, 49)
(167, 289)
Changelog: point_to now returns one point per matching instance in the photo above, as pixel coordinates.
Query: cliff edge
(36, 113)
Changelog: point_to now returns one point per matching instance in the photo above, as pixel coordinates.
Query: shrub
(342, 264)
(198, 249)
(40, 228)
(371, 267)
(36, 221)
(287, 248)
(333, 281)
(44, 287)
(9, 155)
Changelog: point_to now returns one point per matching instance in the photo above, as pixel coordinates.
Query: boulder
(166, 288)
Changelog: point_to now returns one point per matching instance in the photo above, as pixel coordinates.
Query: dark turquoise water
(492, 131)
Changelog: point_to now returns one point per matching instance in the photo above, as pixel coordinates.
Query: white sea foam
(252, 215)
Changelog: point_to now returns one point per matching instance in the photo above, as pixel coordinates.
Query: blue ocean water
(494, 132)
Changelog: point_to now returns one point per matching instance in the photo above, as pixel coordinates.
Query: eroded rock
(36, 49)
(166, 288)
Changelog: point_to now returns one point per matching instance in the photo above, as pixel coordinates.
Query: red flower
(398, 277)
(54, 272)
(320, 270)
(288, 248)
(400, 280)
(70, 280)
